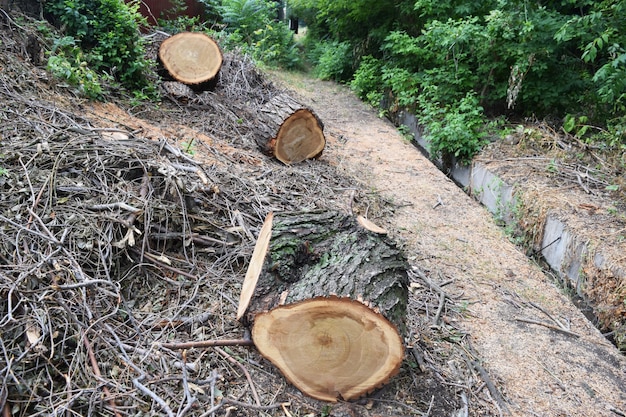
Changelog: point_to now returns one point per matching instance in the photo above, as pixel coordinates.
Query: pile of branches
(109, 247)
(88, 228)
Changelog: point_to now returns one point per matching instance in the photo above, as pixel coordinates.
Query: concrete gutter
(571, 257)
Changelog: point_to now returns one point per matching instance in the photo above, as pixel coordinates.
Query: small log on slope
(306, 319)
(191, 58)
(290, 131)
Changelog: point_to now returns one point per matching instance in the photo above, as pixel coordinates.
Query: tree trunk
(328, 253)
(345, 294)
(191, 58)
(289, 131)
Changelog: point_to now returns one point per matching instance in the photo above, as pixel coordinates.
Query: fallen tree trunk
(289, 131)
(191, 58)
(330, 305)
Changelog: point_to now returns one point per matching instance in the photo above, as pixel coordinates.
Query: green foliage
(334, 61)
(246, 16)
(251, 26)
(520, 58)
(453, 129)
(107, 33)
(366, 81)
(68, 62)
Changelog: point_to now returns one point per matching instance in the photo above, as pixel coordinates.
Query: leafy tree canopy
(455, 62)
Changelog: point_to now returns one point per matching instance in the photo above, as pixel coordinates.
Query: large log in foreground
(305, 313)
(330, 348)
(191, 58)
(291, 132)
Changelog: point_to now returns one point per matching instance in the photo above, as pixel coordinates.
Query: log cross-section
(191, 58)
(290, 131)
(330, 348)
(299, 137)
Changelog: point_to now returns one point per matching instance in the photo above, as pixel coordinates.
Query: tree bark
(191, 58)
(330, 305)
(290, 131)
(328, 253)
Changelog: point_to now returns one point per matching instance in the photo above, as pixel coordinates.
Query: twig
(190, 399)
(84, 284)
(163, 265)
(152, 395)
(544, 311)
(491, 387)
(439, 202)
(111, 206)
(244, 370)
(616, 411)
(419, 359)
(207, 343)
(495, 394)
(96, 371)
(549, 326)
(442, 302)
(242, 404)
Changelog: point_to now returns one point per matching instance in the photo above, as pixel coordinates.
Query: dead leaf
(33, 333)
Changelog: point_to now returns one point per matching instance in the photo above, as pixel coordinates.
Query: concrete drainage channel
(566, 253)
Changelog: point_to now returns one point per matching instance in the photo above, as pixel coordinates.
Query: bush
(366, 82)
(251, 25)
(334, 61)
(517, 58)
(454, 129)
(68, 62)
(107, 32)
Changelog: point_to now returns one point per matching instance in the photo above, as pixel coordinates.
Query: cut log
(191, 58)
(290, 132)
(330, 348)
(328, 257)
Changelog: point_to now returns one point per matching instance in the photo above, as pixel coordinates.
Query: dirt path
(539, 371)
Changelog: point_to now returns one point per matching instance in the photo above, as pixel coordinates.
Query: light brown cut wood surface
(191, 58)
(330, 348)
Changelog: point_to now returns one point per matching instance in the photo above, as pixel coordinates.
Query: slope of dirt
(538, 370)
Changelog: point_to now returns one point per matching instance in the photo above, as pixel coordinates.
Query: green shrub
(251, 26)
(520, 58)
(334, 61)
(68, 62)
(107, 31)
(454, 129)
(366, 82)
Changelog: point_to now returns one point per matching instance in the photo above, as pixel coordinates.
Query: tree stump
(330, 305)
(290, 132)
(191, 58)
